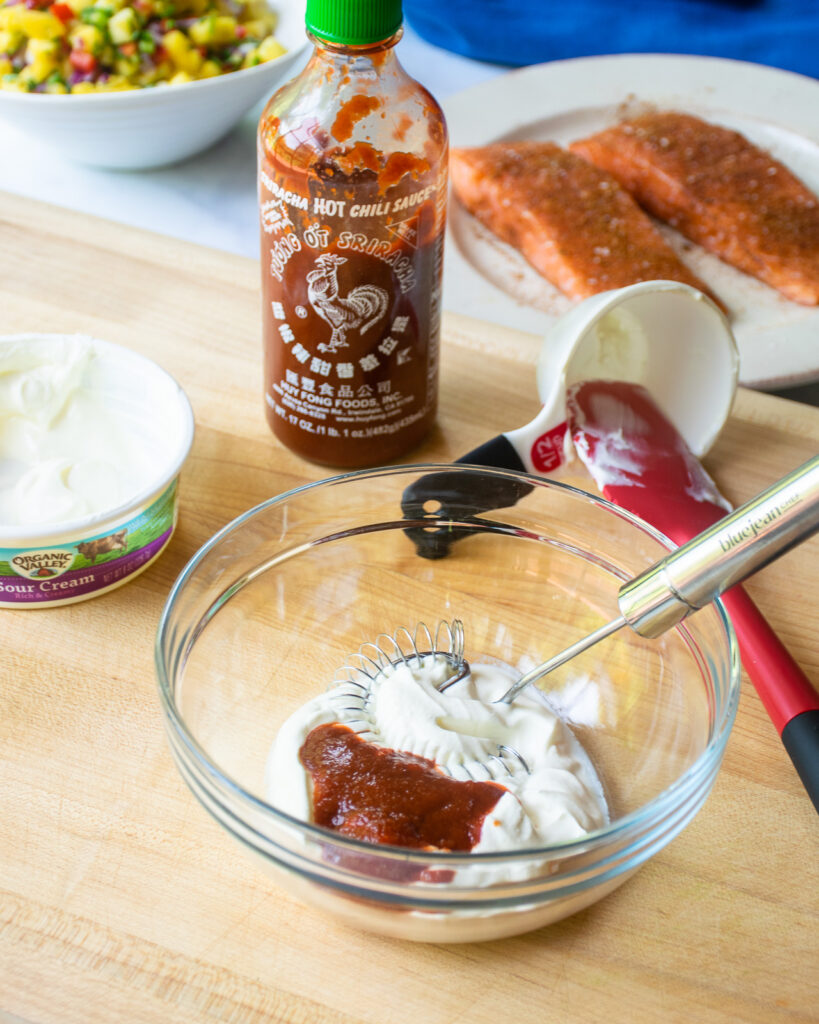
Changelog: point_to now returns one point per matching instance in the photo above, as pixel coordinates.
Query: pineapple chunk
(258, 9)
(13, 84)
(154, 76)
(84, 87)
(5, 66)
(224, 30)
(116, 83)
(201, 31)
(176, 44)
(213, 30)
(123, 26)
(180, 78)
(42, 57)
(87, 37)
(10, 40)
(125, 66)
(56, 88)
(79, 5)
(179, 49)
(270, 48)
(258, 28)
(27, 78)
(34, 24)
(162, 72)
(210, 69)
(192, 63)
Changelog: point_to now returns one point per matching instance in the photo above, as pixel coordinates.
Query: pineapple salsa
(77, 46)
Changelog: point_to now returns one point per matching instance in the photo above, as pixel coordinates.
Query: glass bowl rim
(652, 811)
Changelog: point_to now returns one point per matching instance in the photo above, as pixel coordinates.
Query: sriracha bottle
(352, 192)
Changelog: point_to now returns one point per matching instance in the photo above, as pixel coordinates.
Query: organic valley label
(66, 572)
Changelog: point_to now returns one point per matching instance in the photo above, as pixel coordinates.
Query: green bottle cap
(353, 22)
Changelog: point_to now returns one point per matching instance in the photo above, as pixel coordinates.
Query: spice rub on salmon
(573, 222)
(719, 190)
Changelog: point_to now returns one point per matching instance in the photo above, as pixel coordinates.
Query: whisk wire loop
(354, 685)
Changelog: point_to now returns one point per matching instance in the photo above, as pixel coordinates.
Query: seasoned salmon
(573, 222)
(719, 190)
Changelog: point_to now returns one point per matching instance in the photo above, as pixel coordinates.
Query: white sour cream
(68, 447)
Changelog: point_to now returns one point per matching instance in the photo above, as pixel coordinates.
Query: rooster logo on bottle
(360, 309)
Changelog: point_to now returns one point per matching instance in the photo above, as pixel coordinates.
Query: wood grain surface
(120, 899)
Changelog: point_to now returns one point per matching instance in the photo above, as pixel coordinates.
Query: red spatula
(641, 463)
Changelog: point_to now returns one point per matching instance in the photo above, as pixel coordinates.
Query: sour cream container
(92, 440)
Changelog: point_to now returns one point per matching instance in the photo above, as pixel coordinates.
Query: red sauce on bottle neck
(353, 111)
(388, 796)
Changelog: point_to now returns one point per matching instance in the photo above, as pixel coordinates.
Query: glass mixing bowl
(267, 611)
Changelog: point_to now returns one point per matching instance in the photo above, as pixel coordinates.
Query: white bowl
(151, 127)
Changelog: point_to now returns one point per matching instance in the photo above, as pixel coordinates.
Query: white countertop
(211, 198)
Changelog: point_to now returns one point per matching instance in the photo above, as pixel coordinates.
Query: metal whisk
(410, 649)
(354, 684)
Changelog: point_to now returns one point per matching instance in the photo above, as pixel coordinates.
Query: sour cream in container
(92, 439)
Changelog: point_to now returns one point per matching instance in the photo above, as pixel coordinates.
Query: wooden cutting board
(120, 899)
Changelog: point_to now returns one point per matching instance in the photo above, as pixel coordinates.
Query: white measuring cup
(664, 335)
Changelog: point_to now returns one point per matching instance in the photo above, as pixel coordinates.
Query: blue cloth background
(782, 33)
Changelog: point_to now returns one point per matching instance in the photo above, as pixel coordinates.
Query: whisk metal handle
(725, 554)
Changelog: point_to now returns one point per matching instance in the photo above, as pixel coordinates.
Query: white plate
(566, 100)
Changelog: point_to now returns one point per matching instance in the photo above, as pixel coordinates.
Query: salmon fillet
(719, 190)
(573, 222)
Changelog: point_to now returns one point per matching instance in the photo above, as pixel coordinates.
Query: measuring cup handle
(498, 452)
(444, 496)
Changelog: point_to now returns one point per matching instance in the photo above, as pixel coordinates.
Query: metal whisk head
(404, 647)
(354, 682)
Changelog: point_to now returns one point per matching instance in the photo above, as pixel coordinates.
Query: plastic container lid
(353, 22)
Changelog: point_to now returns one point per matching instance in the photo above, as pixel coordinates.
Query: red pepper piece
(83, 61)
(62, 11)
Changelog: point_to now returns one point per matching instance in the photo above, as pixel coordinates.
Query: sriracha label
(352, 249)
